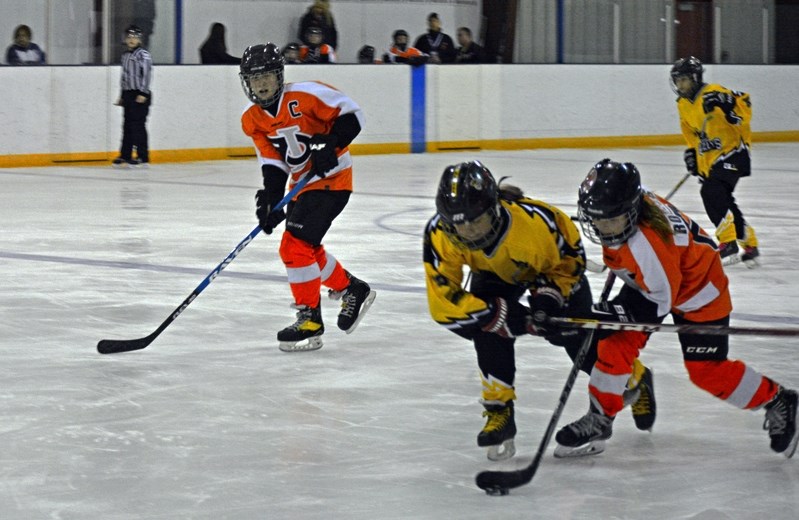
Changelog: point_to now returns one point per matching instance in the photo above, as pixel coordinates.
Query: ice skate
(121, 163)
(728, 251)
(585, 436)
(749, 257)
(355, 301)
(305, 333)
(499, 431)
(644, 408)
(781, 422)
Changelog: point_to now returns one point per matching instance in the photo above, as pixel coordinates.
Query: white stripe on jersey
(707, 294)
(329, 96)
(655, 277)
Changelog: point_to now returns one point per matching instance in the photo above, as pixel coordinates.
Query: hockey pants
(307, 263)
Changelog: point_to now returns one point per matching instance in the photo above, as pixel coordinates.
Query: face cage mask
(694, 89)
(482, 242)
(597, 237)
(245, 84)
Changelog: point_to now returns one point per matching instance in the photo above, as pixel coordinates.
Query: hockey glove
(323, 153)
(612, 311)
(507, 319)
(547, 302)
(689, 156)
(723, 100)
(265, 200)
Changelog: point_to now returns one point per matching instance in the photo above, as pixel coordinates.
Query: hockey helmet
(257, 62)
(609, 202)
(468, 204)
(689, 67)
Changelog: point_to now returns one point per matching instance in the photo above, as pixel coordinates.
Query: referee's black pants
(134, 132)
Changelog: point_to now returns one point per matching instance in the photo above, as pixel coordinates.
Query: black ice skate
(122, 163)
(305, 333)
(355, 301)
(644, 408)
(728, 251)
(585, 436)
(781, 422)
(749, 257)
(499, 431)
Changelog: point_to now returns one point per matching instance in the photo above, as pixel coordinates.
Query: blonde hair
(652, 216)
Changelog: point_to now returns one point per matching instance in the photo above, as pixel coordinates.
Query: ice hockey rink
(212, 421)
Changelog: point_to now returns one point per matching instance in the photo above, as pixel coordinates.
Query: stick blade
(499, 482)
(115, 346)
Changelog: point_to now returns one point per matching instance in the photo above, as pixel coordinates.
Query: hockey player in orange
(715, 122)
(303, 129)
(402, 52)
(669, 265)
(316, 50)
(511, 244)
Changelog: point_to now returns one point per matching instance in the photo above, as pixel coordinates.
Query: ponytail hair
(509, 192)
(652, 215)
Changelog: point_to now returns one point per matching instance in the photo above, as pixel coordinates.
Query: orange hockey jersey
(304, 109)
(683, 276)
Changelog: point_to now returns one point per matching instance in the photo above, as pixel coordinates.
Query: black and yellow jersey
(712, 136)
(538, 246)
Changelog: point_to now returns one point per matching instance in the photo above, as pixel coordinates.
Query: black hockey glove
(612, 311)
(268, 219)
(507, 319)
(323, 153)
(546, 302)
(723, 100)
(689, 156)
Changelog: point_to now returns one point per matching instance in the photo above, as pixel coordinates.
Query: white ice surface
(212, 421)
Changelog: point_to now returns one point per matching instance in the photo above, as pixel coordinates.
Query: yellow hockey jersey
(539, 246)
(712, 135)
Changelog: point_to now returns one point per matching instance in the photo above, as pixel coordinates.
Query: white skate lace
(776, 419)
(304, 314)
(589, 425)
(348, 304)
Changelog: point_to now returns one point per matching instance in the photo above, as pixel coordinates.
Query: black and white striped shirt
(137, 69)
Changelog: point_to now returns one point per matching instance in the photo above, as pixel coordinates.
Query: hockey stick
(499, 482)
(114, 346)
(677, 186)
(596, 267)
(715, 330)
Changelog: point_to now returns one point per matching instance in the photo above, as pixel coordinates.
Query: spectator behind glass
(367, 54)
(316, 51)
(23, 51)
(469, 51)
(401, 52)
(214, 51)
(291, 53)
(435, 43)
(319, 15)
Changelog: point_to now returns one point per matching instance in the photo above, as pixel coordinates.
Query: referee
(137, 69)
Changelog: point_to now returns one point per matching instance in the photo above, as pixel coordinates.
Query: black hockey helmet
(259, 60)
(398, 33)
(134, 30)
(366, 54)
(687, 67)
(469, 195)
(313, 30)
(611, 190)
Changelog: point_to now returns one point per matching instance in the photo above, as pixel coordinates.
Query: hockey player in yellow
(511, 244)
(715, 122)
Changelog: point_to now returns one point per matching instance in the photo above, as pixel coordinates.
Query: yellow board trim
(221, 154)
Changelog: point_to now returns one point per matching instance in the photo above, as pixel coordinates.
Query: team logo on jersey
(706, 144)
(294, 146)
